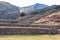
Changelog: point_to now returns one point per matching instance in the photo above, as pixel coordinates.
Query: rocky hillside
(52, 19)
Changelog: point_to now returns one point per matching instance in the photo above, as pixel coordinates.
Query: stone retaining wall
(34, 30)
(26, 31)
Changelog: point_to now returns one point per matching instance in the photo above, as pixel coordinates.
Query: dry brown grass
(30, 37)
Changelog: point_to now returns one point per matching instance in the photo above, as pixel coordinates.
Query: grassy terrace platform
(30, 37)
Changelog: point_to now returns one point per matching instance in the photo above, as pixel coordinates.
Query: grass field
(29, 37)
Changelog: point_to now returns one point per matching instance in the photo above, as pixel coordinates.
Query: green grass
(29, 37)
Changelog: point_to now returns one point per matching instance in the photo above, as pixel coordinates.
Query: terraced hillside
(27, 20)
(46, 19)
(52, 19)
(33, 24)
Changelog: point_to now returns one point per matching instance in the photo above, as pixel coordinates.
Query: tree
(22, 14)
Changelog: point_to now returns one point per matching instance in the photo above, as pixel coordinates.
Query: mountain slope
(49, 9)
(7, 10)
(39, 6)
(32, 8)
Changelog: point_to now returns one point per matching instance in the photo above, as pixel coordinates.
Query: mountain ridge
(33, 7)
